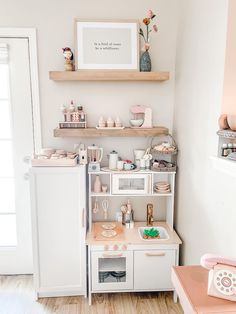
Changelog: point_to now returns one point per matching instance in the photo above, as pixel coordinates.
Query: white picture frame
(106, 45)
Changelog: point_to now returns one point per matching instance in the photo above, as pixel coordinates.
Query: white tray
(62, 162)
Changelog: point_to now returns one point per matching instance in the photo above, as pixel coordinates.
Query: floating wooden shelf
(109, 75)
(127, 132)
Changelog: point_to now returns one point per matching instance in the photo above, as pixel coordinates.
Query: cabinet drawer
(152, 269)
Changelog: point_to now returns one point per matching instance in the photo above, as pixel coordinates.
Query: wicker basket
(156, 141)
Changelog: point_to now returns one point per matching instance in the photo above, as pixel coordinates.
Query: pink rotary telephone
(222, 276)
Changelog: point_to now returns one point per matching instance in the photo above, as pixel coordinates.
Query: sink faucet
(150, 215)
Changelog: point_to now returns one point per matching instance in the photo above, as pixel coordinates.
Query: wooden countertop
(131, 236)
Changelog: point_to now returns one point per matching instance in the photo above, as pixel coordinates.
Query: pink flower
(150, 14)
(155, 28)
(146, 46)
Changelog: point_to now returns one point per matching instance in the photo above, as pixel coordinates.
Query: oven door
(131, 184)
(112, 271)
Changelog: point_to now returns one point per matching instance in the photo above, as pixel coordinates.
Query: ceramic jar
(97, 185)
(110, 122)
(101, 122)
(118, 123)
(113, 158)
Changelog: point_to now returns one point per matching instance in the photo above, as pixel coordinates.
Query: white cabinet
(152, 269)
(112, 271)
(58, 225)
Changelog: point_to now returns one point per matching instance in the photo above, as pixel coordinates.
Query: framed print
(107, 45)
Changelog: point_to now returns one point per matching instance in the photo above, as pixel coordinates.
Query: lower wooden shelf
(127, 132)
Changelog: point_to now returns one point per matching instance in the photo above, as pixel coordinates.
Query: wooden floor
(17, 297)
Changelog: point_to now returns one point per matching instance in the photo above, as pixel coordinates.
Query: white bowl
(137, 123)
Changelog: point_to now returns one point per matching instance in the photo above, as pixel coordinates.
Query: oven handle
(105, 255)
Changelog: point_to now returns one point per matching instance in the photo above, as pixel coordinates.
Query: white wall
(206, 211)
(229, 94)
(54, 21)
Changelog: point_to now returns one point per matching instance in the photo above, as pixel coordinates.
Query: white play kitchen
(126, 225)
(129, 249)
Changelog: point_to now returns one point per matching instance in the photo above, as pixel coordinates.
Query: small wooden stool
(190, 283)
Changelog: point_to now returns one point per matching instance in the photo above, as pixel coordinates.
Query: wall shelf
(109, 75)
(127, 132)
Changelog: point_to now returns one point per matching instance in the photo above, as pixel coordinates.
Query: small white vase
(97, 185)
(232, 121)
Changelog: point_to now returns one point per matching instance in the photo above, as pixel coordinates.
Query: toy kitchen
(126, 228)
(129, 249)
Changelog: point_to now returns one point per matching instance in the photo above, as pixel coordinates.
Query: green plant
(151, 233)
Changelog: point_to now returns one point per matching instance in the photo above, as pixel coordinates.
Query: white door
(16, 142)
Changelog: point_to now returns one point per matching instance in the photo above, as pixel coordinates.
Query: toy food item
(151, 234)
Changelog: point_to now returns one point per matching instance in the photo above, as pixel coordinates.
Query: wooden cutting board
(98, 229)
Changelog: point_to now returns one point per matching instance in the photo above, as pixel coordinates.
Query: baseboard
(59, 292)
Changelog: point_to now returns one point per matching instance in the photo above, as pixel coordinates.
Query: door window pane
(131, 184)
(4, 81)
(112, 270)
(7, 195)
(8, 230)
(5, 120)
(6, 159)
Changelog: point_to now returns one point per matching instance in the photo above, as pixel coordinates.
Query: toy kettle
(113, 158)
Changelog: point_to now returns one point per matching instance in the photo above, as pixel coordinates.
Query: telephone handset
(222, 276)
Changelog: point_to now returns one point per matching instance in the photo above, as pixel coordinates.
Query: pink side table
(190, 284)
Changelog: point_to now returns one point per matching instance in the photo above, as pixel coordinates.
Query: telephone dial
(222, 276)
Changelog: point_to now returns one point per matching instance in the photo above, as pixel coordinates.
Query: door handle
(112, 255)
(155, 254)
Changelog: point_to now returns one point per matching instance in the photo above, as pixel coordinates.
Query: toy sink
(163, 235)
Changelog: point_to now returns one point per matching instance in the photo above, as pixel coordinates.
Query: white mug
(120, 164)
